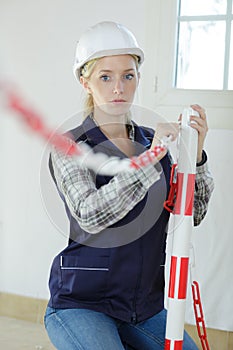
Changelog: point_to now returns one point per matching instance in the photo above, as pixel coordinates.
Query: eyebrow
(110, 71)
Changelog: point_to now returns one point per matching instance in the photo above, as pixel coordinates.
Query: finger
(200, 126)
(198, 120)
(173, 132)
(166, 129)
(200, 110)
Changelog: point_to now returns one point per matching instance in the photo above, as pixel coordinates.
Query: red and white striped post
(183, 224)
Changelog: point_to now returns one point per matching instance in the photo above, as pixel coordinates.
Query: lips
(118, 101)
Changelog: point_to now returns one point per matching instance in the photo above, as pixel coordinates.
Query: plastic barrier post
(183, 224)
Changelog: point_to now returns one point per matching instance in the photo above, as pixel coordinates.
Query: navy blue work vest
(123, 281)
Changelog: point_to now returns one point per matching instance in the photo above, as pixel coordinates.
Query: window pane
(202, 7)
(200, 61)
(230, 81)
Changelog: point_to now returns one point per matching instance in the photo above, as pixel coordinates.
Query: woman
(107, 285)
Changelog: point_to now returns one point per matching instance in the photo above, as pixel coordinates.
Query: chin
(116, 110)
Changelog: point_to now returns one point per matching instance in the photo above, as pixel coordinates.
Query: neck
(113, 126)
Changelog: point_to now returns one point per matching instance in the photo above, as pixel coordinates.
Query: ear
(85, 84)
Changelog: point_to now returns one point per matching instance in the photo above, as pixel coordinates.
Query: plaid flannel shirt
(96, 209)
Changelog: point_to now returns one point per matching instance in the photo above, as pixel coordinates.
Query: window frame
(227, 18)
(160, 69)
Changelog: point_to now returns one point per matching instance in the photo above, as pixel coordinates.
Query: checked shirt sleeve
(204, 186)
(96, 209)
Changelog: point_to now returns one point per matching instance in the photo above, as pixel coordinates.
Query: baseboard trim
(22, 307)
(33, 309)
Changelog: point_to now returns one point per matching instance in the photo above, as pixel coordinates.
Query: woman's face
(113, 83)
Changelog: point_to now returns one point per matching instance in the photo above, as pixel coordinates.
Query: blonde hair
(86, 72)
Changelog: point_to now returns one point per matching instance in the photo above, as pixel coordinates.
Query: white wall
(37, 44)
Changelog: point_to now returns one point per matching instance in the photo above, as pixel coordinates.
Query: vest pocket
(84, 278)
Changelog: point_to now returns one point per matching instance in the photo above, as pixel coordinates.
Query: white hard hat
(105, 39)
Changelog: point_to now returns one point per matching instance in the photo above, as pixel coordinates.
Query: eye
(129, 76)
(105, 77)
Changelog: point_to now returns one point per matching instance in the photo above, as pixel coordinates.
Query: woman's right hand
(164, 130)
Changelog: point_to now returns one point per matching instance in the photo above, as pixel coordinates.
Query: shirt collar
(96, 136)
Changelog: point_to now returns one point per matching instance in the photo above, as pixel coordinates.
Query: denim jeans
(82, 329)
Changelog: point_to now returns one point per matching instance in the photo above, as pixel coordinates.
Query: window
(204, 53)
(158, 88)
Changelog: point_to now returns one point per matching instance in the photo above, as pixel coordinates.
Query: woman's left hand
(202, 128)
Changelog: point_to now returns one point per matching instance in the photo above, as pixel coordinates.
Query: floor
(17, 334)
(23, 335)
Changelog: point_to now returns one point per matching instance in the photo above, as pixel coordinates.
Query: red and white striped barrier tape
(98, 162)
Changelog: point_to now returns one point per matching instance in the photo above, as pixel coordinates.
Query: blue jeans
(82, 329)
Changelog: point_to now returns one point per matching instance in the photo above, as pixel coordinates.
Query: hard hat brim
(114, 52)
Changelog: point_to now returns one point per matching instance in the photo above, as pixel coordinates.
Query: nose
(118, 87)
